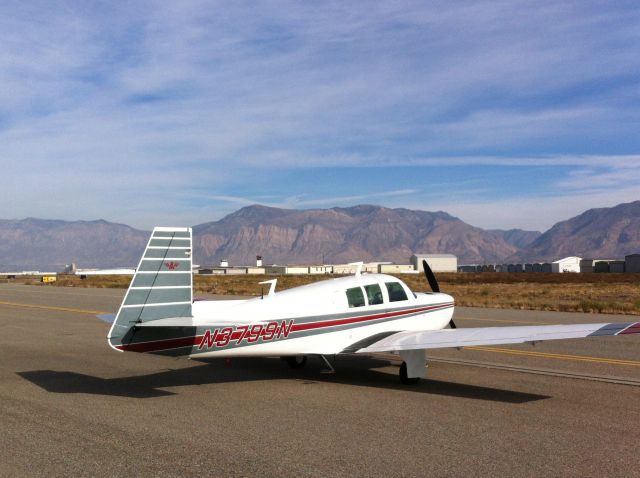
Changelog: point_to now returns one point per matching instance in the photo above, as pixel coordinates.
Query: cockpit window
(374, 294)
(396, 292)
(355, 297)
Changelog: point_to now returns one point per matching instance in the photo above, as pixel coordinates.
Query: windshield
(396, 292)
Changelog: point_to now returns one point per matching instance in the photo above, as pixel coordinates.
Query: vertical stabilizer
(161, 287)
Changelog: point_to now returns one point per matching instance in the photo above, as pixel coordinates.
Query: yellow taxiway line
(50, 307)
(579, 358)
(521, 322)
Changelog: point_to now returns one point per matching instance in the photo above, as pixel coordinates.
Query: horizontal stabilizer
(108, 318)
(168, 322)
(188, 321)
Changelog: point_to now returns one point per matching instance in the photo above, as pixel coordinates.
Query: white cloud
(132, 105)
(533, 213)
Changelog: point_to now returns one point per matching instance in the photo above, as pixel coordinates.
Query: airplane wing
(435, 339)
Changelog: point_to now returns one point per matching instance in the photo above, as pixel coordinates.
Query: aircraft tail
(161, 287)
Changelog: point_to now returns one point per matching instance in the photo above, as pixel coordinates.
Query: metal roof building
(437, 262)
(568, 264)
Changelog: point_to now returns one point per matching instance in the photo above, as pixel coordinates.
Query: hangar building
(437, 262)
(568, 264)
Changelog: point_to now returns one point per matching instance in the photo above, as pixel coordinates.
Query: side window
(396, 292)
(374, 294)
(355, 297)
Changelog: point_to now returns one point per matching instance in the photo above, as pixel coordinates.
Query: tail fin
(161, 287)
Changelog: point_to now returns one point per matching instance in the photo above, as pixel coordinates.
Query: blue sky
(505, 114)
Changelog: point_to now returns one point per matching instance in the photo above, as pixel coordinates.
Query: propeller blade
(431, 278)
(433, 282)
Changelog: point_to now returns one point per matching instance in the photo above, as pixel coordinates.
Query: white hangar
(437, 262)
(568, 264)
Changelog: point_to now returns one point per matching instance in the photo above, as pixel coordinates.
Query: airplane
(356, 314)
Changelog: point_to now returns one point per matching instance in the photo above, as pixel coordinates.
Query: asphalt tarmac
(71, 406)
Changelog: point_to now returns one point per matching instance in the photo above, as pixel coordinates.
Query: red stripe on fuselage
(365, 318)
(167, 344)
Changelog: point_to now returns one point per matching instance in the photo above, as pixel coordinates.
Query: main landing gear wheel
(295, 361)
(403, 375)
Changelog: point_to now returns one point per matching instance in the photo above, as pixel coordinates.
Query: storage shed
(275, 270)
(351, 268)
(321, 269)
(395, 268)
(632, 263)
(601, 266)
(616, 266)
(586, 265)
(289, 269)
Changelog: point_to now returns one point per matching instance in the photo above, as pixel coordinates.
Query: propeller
(431, 278)
(433, 283)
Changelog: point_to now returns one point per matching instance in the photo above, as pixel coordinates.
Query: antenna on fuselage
(359, 266)
(272, 289)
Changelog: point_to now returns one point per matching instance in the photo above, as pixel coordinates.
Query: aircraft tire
(403, 375)
(295, 361)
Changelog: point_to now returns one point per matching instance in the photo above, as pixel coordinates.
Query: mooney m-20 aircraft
(361, 313)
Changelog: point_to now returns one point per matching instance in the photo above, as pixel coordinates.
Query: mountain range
(347, 234)
(336, 235)
(603, 233)
(42, 244)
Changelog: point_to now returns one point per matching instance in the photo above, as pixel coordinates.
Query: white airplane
(363, 313)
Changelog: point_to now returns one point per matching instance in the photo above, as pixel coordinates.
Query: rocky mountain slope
(518, 237)
(343, 234)
(50, 244)
(597, 233)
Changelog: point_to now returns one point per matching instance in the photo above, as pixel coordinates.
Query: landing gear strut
(413, 366)
(329, 368)
(295, 361)
(403, 375)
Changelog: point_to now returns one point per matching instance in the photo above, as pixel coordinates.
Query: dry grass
(596, 293)
(93, 282)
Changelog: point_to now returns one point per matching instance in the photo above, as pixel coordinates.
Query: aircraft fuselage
(324, 318)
